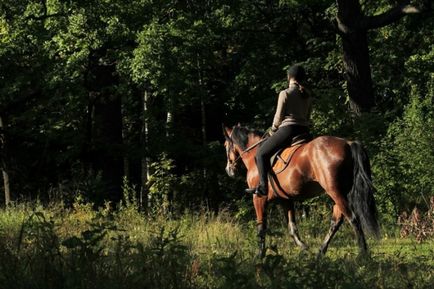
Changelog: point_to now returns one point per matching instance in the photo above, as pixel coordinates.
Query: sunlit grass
(78, 247)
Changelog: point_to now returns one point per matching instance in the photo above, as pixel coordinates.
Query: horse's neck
(253, 139)
(248, 157)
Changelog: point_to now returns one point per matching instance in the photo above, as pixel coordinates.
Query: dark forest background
(102, 97)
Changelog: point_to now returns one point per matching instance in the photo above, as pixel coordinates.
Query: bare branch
(393, 15)
(341, 27)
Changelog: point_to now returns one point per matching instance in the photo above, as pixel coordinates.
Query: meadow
(76, 246)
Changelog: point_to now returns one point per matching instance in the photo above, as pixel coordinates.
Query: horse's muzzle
(230, 170)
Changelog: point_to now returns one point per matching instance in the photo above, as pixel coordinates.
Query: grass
(78, 247)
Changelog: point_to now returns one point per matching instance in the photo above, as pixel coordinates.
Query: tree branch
(394, 14)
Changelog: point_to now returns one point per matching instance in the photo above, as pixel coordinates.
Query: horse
(335, 166)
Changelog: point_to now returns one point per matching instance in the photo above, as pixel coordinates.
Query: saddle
(297, 140)
(284, 155)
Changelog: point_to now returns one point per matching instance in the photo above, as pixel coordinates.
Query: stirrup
(256, 191)
(250, 190)
(261, 191)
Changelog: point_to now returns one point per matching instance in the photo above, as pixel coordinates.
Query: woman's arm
(278, 116)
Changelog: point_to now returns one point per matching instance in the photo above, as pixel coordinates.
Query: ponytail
(303, 91)
(297, 72)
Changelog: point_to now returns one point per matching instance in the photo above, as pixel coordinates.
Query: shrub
(403, 169)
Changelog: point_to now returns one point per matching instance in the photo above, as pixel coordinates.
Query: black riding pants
(281, 138)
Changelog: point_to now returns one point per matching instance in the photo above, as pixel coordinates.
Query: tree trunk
(203, 125)
(202, 102)
(6, 186)
(107, 151)
(108, 144)
(169, 123)
(145, 147)
(3, 165)
(358, 71)
(355, 56)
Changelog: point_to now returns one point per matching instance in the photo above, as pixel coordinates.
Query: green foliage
(195, 250)
(130, 200)
(403, 169)
(161, 184)
(329, 116)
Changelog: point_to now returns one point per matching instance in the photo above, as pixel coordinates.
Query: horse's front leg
(260, 203)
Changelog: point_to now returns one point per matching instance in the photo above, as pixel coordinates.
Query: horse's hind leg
(337, 220)
(289, 210)
(361, 241)
(343, 206)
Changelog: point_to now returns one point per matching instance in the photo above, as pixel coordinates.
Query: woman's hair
(297, 72)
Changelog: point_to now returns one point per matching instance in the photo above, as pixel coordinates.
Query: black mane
(240, 135)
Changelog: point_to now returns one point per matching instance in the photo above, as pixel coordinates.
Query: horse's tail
(361, 196)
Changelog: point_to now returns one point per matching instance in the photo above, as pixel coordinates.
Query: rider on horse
(332, 165)
(291, 119)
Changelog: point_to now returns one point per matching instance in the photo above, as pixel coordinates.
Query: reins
(263, 138)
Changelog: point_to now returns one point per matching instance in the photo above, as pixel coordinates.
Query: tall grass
(78, 247)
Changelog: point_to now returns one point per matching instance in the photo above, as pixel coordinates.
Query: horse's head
(238, 144)
(232, 151)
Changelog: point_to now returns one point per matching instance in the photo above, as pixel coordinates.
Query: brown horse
(338, 167)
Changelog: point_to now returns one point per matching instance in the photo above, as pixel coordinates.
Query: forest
(111, 115)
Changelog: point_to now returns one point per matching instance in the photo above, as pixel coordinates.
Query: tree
(4, 169)
(90, 87)
(21, 68)
(90, 47)
(353, 27)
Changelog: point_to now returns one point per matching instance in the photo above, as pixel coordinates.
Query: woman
(291, 119)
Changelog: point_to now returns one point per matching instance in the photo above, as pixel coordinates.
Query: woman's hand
(271, 130)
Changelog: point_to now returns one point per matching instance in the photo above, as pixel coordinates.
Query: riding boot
(260, 190)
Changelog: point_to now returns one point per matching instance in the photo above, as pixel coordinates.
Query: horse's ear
(225, 132)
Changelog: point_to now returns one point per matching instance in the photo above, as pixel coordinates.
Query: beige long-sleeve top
(292, 108)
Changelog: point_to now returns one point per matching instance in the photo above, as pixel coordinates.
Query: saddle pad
(278, 161)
